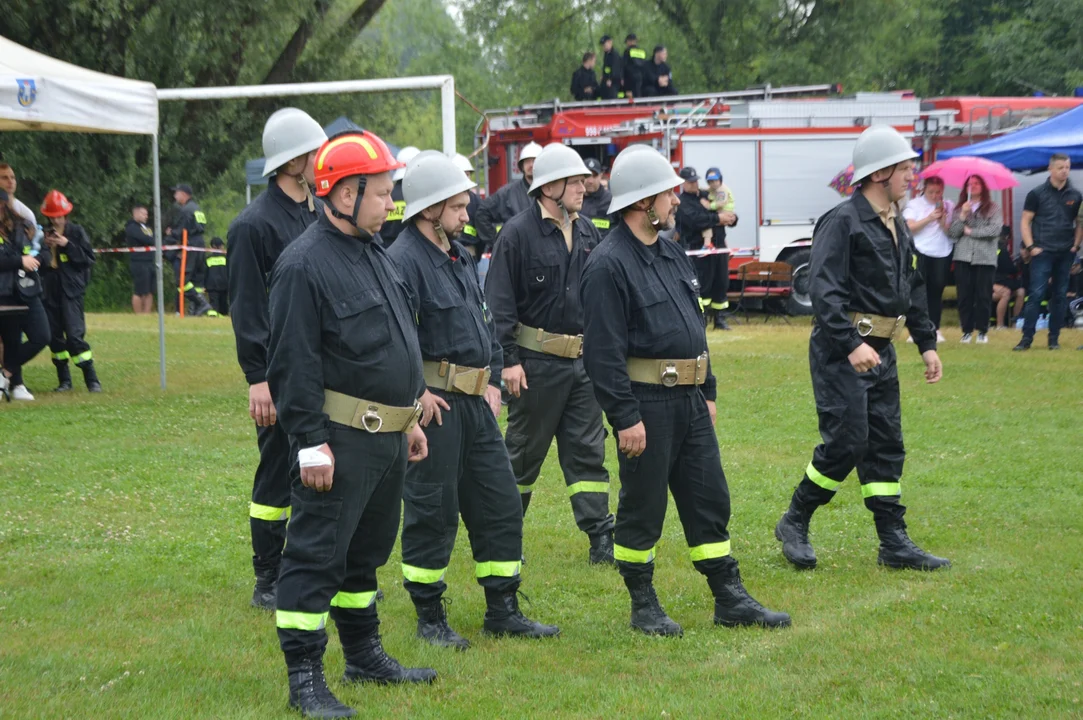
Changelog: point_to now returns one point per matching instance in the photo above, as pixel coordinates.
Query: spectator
(633, 66)
(657, 77)
(1007, 284)
(19, 286)
(218, 279)
(610, 87)
(1052, 230)
(927, 216)
(138, 234)
(9, 184)
(975, 227)
(584, 82)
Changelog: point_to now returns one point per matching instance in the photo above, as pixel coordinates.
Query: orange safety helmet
(348, 154)
(56, 205)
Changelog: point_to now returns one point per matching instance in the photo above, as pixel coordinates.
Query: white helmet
(879, 147)
(405, 155)
(530, 150)
(639, 174)
(557, 162)
(463, 163)
(289, 133)
(431, 178)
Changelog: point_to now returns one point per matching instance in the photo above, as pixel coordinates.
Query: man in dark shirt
(864, 286)
(597, 199)
(646, 353)
(1052, 231)
(218, 278)
(510, 200)
(696, 225)
(468, 469)
(189, 219)
(584, 81)
(611, 71)
(256, 238)
(345, 372)
(470, 239)
(137, 234)
(657, 77)
(633, 67)
(533, 292)
(393, 225)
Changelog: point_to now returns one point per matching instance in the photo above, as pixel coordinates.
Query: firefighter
(391, 229)
(468, 469)
(255, 240)
(864, 287)
(218, 279)
(720, 198)
(646, 353)
(508, 201)
(696, 224)
(189, 217)
(611, 70)
(345, 373)
(470, 239)
(533, 292)
(657, 77)
(65, 272)
(634, 66)
(597, 198)
(584, 81)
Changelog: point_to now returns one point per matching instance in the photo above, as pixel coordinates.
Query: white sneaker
(940, 337)
(19, 392)
(910, 339)
(983, 339)
(5, 387)
(965, 339)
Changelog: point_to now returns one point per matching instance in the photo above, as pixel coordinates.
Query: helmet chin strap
(303, 182)
(438, 228)
(652, 216)
(352, 219)
(565, 218)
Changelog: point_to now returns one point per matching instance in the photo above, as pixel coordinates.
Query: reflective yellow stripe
(607, 70)
(881, 489)
(600, 223)
(633, 556)
(499, 226)
(704, 303)
(83, 357)
(200, 217)
(62, 355)
(290, 620)
(588, 487)
(709, 551)
(353, 601)
(719, 305)
(637, 54)
(423, 575)
(63, 257)
(495, 568)
(201, 290)
(188, 286)
(268, 513)
(212, 313)
(216, 261)
(820, 479)
(470, 230)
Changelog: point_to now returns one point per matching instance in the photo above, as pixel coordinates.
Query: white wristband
(313, 457)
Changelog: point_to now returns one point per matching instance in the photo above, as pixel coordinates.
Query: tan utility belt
(670, 373)
(877, 326)
(369, 416)
(565, 346)
(455, 378)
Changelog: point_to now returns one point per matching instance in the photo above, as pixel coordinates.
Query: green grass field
(125, 565)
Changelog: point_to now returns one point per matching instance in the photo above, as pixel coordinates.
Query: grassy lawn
(125, 562)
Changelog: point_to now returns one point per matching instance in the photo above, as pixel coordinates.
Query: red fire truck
(778, 148)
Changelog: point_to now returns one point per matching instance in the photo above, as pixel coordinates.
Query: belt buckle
(483, 380)
(415, 418)
(578, 340)
(371, 422)
(899, 322)
(864, 326)
(669, 376)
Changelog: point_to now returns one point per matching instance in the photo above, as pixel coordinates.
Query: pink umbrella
(955, 171)
(842, 183)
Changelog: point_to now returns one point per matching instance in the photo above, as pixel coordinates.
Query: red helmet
(56, 205)
(356, 153)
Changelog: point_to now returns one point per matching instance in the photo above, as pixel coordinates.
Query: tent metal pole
(158, 261)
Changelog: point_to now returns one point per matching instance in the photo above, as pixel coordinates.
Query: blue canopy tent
(1030, 148)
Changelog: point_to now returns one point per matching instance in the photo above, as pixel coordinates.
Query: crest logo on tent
(28, 92)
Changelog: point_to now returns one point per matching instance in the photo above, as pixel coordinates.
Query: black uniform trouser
(861, 427)
(467, 471)
(35, 325)
(193, 279)
(713, 272)
(67, 323)
(337, 539)
(975, 285)
(609, 93)
(681, 457)
(219, 300)
(560, 403)
(270, 506)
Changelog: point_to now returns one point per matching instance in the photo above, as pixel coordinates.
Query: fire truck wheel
(800, 302)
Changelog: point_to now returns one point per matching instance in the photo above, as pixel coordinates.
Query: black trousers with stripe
(270, 504)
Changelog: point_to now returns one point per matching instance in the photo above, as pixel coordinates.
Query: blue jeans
(1055, 264)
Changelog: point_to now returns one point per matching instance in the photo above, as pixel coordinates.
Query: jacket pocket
(363, 323)
(650, 312)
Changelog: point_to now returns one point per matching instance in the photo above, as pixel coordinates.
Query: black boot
(734, 607)
(432, 625)
(720, 321)
(648, 616)
(366, 661)
(708, 317)
(898, 551)
(309, 692)
(90, 377)
(502, 617)
(265, 594)
(63, 376)
(601, 549)
(792, 531)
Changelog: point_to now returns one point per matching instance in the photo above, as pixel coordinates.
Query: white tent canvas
(39, 93)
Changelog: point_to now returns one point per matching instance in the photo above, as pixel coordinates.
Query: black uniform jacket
(693, 219)
(634, 66)
(611, 68)
(136, 234)
(596, 207)
(651, 73)
(470, 232)
(189, 218)
(73, 262)
(534, 280)
(453, 321)
(12, 248)
(393, 225)
(501, 206)
(856, 266)
(255, 240)
(639, 301)
(341, 320)
(582, 80)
